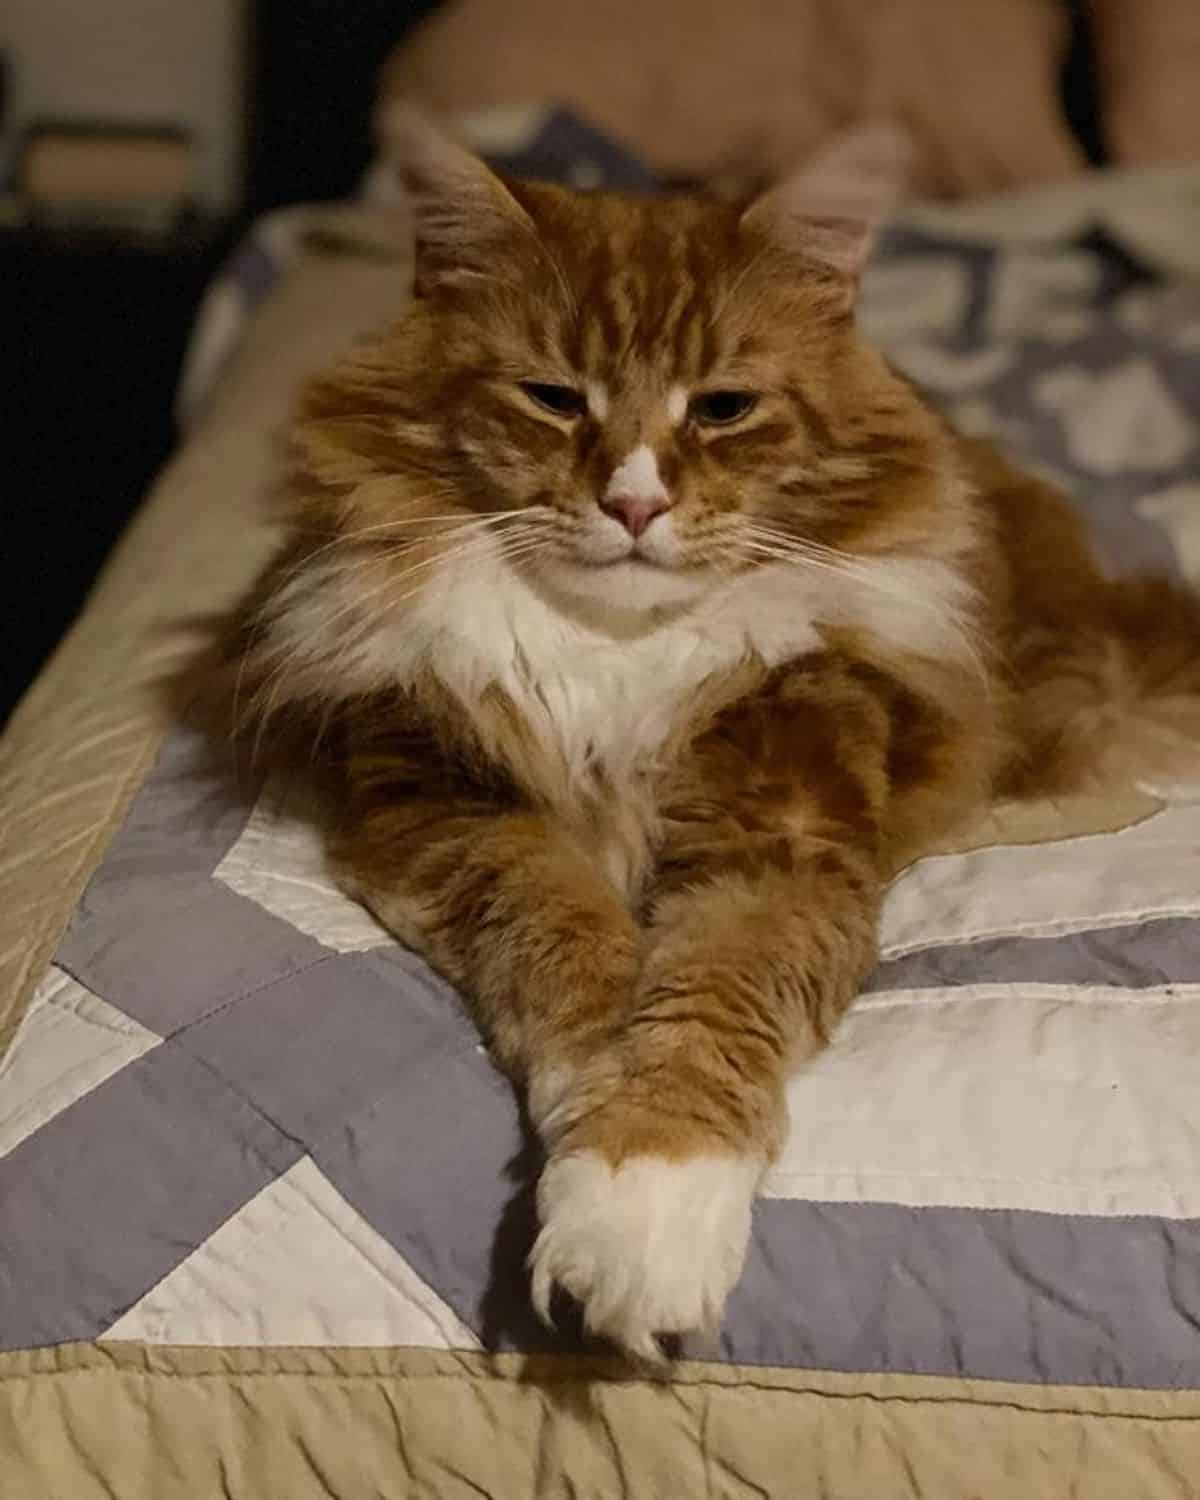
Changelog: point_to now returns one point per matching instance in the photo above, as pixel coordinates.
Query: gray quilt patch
(1135, 955)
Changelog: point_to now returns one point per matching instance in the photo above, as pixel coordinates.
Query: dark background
(93, 328)
(94, 331)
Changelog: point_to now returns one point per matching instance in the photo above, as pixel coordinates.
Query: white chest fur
(600, 700)
(597, 699)
(611, 701)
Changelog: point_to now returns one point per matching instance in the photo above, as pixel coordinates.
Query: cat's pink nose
(635, 512)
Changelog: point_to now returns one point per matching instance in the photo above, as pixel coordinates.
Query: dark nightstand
(93, 328)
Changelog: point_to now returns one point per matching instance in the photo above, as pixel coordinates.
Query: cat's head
(629, 398)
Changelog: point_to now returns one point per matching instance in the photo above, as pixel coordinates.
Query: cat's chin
(629, 586)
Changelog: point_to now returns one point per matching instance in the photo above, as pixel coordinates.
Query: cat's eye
(562, 400)
(720, 408)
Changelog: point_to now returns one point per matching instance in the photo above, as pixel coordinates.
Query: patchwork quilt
(265, 1203)
(238, 1112)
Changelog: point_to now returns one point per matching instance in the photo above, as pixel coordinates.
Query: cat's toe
(650, 1247)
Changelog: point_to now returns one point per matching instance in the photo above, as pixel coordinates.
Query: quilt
(265, 1202)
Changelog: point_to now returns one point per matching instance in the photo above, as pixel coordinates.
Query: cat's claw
(652, 1247)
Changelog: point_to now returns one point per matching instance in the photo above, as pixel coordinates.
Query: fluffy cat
(643, 623)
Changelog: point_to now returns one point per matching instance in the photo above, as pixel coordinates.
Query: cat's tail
(1111, 697)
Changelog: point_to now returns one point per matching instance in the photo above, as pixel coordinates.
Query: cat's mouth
(597, 560)
(656, 550)
(633, 581)
(632, 560)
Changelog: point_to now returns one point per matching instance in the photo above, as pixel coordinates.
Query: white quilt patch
(69, 1042)
(296, 1265)
(1041, 890)
(279, 862)
(1074, 1099)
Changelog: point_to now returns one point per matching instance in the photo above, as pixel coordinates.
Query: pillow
(1148, 62)
(705, 89)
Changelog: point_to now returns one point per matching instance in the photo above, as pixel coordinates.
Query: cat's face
(633, 398)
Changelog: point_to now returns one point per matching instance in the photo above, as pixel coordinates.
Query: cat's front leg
(760, 929)
(508, 908)
(500, 897)
(645, 1203)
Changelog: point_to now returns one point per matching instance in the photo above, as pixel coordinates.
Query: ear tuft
(829, 211)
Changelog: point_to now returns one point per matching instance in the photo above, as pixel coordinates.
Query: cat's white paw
(652, 1247)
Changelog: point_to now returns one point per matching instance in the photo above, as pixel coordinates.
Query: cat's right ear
(463, 212)
(830, 210)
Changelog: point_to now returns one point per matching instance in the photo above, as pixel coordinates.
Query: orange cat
(644, 623)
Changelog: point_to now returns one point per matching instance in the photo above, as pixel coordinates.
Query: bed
(266, 1203)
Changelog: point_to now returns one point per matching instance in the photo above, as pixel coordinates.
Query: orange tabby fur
(642, 811)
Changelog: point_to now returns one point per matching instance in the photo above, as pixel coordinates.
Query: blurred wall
(176, 61)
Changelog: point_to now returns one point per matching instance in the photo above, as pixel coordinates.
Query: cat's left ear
(463, 212)
(830, 210)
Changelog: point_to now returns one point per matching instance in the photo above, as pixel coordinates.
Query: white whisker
(475, 548)
(333, 568)
(799, 552)
(345, 538)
